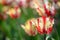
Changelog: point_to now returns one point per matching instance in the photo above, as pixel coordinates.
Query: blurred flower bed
(29, 20)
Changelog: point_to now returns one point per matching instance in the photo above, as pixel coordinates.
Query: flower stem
(44, 36)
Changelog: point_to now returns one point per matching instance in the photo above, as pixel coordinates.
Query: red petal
(49, 30)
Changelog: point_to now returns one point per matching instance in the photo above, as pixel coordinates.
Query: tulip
(30, 27)
(14, 12)
(45, 25)
(43, 7)
(49, 8)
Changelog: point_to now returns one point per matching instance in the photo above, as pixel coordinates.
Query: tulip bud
(30, 27)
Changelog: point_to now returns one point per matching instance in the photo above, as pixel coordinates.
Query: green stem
(44, 36)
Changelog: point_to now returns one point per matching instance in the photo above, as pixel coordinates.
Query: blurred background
(10, 23)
